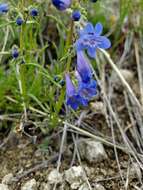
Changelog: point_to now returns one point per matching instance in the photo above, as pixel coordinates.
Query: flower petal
(93, 84)
(88, 29)
(84, 102)
(70, 88)
(3, 8)
(98, 28)
(79, 45)
(71, 101)
(61, 4)
(88, 90)
(83, 67)
(91, 52)
(105, 42)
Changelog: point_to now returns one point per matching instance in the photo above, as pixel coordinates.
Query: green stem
(20, 83)
(68, 44)
(20, 70)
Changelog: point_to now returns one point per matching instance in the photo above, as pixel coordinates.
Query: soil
(22, 157)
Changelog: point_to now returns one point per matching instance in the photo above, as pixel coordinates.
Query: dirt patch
(20, 159)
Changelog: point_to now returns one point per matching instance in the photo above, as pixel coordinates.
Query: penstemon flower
(83, 67)
(91, 39)
(87, 86)
(88, 90)
(61, 4)
(3, 8)
(73, 99)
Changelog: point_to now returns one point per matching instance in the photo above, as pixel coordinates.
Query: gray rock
(3, 187)
(55, 177)
(84, 186)
(97, 186)
(7, 179)
(128, 76)
(45, 186)
(97, 107)
(135, 171)
(75, 176)
(92, 151)
(30, 185)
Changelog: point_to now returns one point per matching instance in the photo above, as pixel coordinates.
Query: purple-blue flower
(87, 90)
(61, 4)
(91, 39)
(73, 99)
(87, 86)
(83, 67)
(3, 8)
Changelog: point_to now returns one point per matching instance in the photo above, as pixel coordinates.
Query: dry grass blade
(88, 134)
(115, 68)
(139, 69)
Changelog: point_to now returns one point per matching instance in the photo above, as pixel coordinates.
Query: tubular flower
(61, 4)
(88, 90)
(73, 99)
(83, 67)
(91, 39)
(3, 8)
(87, 86)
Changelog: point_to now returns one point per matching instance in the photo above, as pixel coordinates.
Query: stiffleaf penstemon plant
(90, 39)
(80, 88)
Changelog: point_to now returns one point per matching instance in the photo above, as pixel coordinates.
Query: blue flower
(3, 8)
(83, 67)
(15, 53)
(87, 90)
(19, 21)
(87, 86)
(34, 12)
(91, 39)
(61, 4)
(76, 15)
(73, 99)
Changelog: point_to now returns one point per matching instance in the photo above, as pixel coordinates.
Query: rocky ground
(25, 167)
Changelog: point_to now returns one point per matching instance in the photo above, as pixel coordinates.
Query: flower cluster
(87, 86)
(90, 39)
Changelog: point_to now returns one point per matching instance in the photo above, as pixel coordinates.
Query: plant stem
(21, 89)
(68, 44)
(19, 70)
